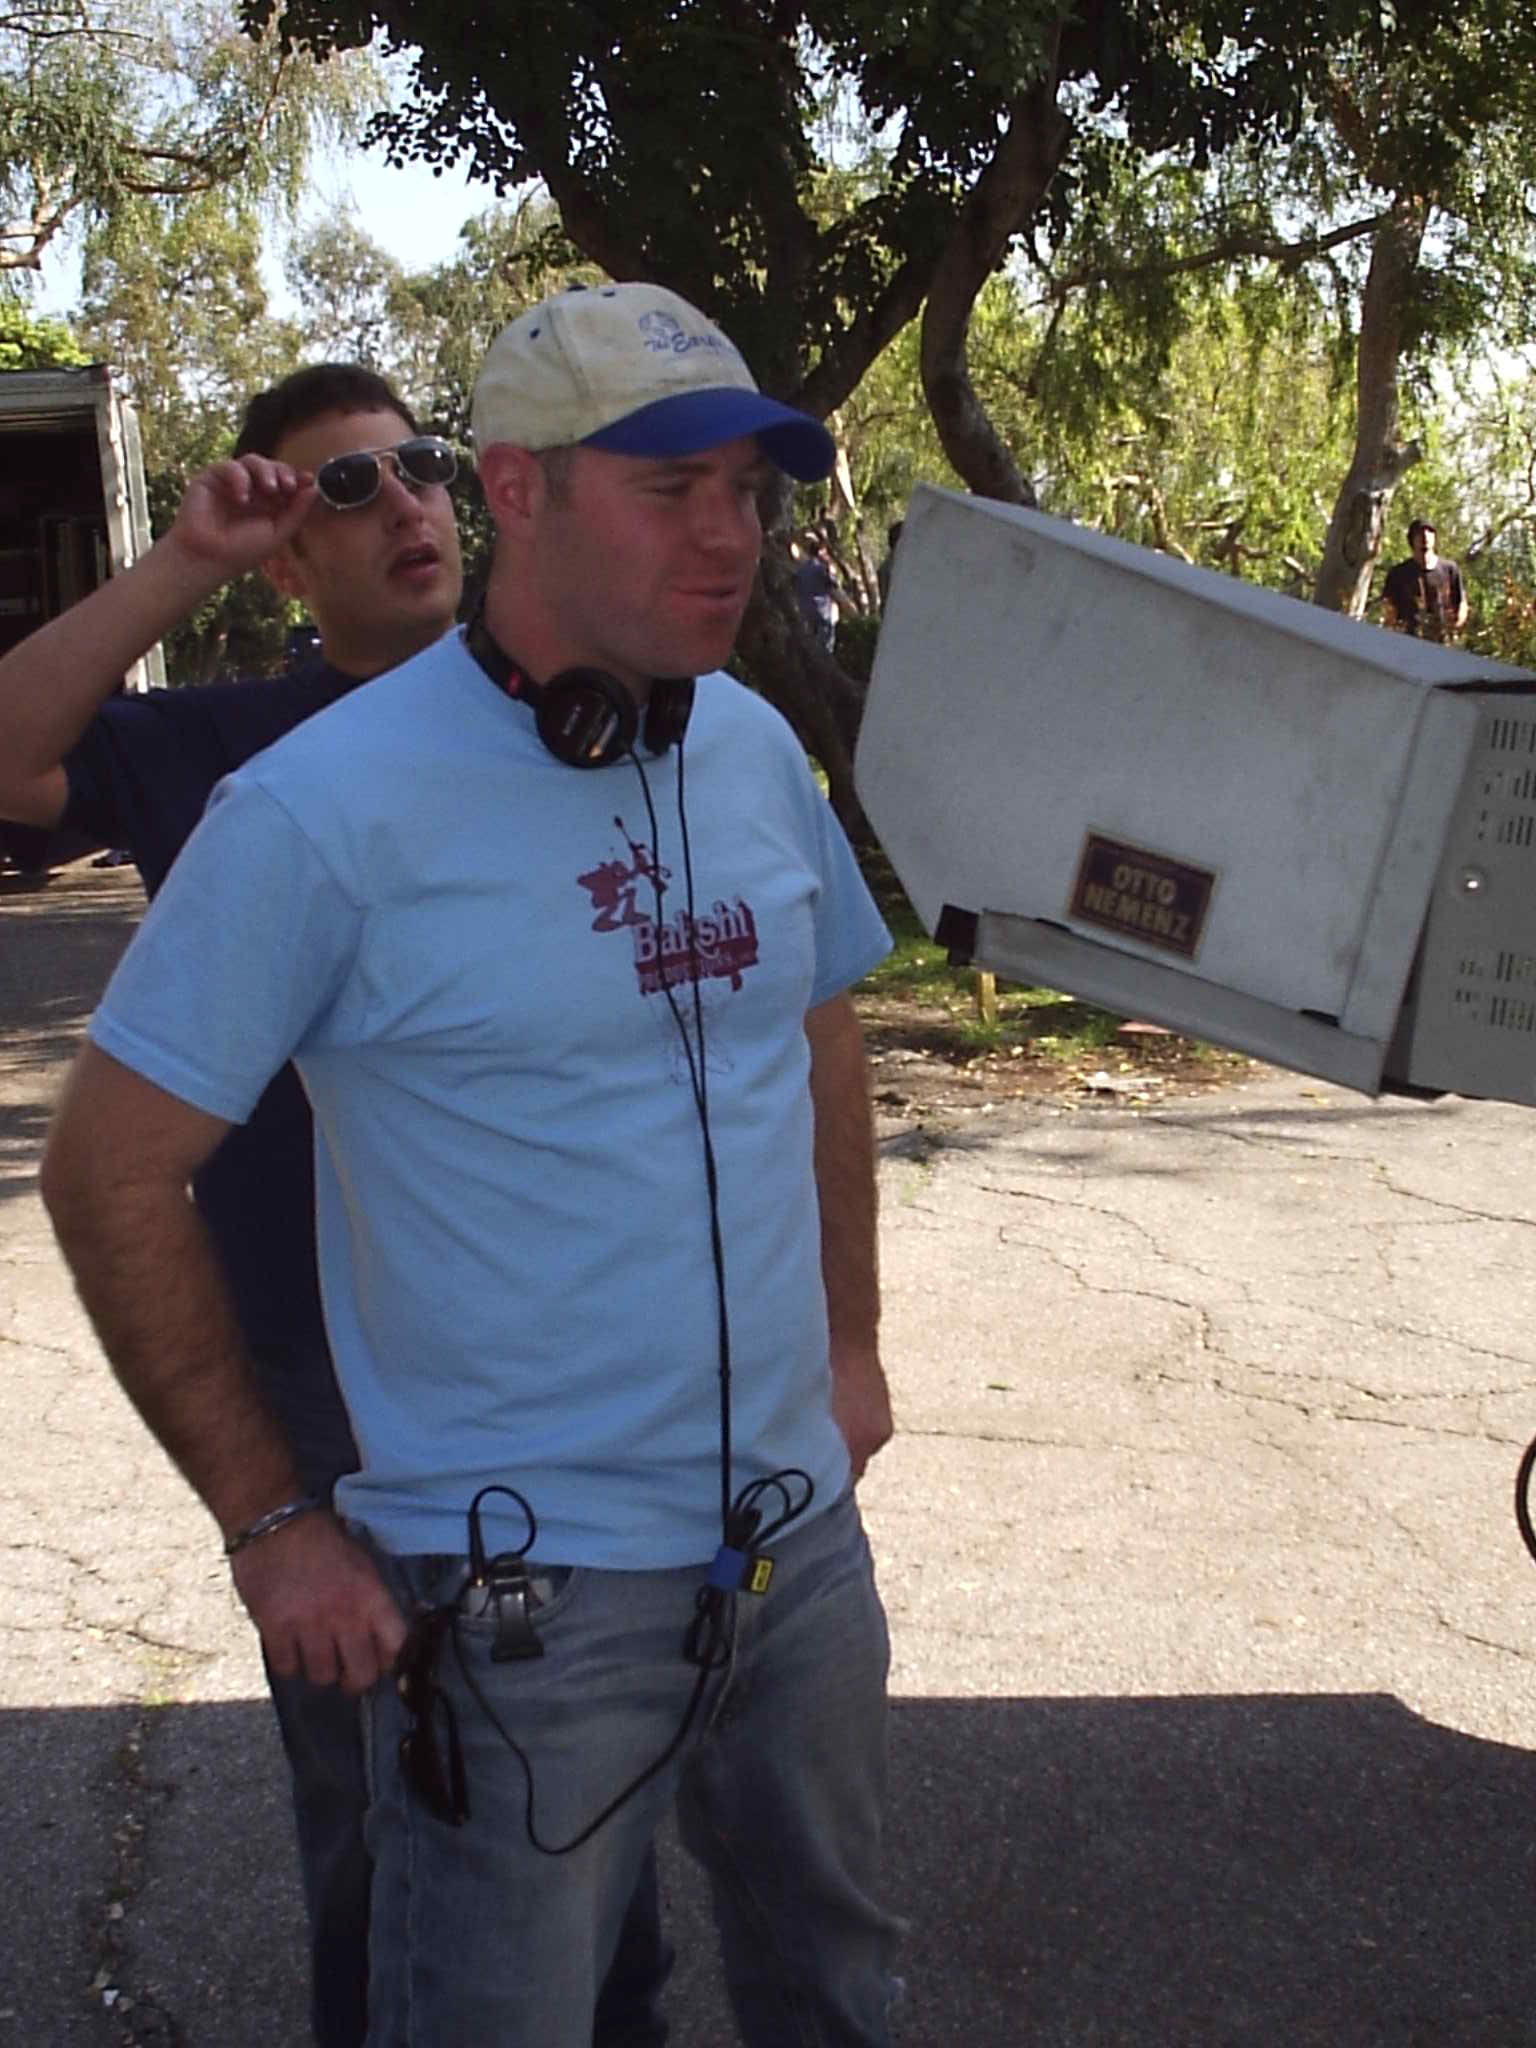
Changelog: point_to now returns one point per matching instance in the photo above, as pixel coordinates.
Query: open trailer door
(73, 511)
(126, 506)
(73, 508)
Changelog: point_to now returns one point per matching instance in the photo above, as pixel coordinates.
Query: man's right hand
(322, 1609)
(236, 514)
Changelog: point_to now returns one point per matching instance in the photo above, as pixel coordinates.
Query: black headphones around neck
(585, 716)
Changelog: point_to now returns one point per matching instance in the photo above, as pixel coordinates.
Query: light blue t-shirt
(456, 939)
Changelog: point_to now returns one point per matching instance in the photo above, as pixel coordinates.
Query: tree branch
(845, 360)
(1267, 248)
(999, 203)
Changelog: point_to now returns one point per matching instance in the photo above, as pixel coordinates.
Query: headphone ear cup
(667, 712)
(586, 718)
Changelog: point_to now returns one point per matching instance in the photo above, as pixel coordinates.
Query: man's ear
(514, 484)
(285, 573)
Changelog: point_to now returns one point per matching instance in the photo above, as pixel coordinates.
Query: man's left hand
(861, 1402)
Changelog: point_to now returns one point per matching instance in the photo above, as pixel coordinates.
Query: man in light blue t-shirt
(558, 931)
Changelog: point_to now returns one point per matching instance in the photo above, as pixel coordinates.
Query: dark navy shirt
(1427, 601)
(140, 778)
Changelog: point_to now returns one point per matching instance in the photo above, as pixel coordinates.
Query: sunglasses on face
(431, 1757)
(350, 481)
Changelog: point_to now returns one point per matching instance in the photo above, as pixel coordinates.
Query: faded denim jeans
(780, 1787)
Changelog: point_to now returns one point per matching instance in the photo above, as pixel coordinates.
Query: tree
(108, 103)
(158, 137)
(1222, 445)
(352, 293)
(428, 330)
(1400, 195)
(1477, 480)
(1441, 129)
(174, 298)
(684, 143)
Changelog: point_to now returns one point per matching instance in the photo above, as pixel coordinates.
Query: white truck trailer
(72, 504)
(73, 512)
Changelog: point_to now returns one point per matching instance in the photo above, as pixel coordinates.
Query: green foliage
(1172, 355)
(30, 341)
(106, 103)
(161, 139)
(687, 142)
(1223, 444)
(855, 647)
(1227, 455)
(174, 299)
(916, 971)
(1477, 482)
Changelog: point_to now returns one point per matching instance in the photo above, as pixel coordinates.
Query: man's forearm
(845, 1190)
(845, 1173)
(152, 1284)
(57, 679)
(150, 1279)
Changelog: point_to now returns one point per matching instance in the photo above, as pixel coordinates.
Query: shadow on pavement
(23, 1127)
(1157, 1873)
(1267, 1869)
(57, 949)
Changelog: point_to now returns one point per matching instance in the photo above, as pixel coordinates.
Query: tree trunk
(1353, 545)
(999, 204)
(802, 680)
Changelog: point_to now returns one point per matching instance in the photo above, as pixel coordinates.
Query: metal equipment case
(1102, 770)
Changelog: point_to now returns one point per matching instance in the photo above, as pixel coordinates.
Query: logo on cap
(665, 336)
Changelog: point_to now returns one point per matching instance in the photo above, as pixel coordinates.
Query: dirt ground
(924, 1072)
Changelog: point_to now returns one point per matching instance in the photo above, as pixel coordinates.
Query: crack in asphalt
(1056, 1443)
(30, 1344)
(136, 2013)
(1329, 1412)
(1378, 1326)
(1459, 1210)
(1465, 1635)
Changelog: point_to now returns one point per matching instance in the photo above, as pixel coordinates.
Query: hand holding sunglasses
(348, 482)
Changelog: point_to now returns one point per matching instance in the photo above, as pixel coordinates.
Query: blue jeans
(322, 1733)
(779, 1788)
(321, 1727)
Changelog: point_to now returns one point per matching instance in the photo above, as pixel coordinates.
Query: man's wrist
(184, 576)
(273, 1520)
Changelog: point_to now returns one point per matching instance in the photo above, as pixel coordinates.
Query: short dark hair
(309, 394)
(1418, 526)
(557, 464)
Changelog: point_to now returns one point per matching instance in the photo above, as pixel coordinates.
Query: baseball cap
(635, 370)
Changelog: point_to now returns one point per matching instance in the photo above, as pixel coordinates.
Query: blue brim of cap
(694, 420)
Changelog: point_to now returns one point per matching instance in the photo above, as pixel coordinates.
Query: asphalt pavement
(1213, 1703)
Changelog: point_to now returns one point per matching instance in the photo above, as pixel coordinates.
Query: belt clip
(514, 1602)
(504, 1591)
(502, 1584)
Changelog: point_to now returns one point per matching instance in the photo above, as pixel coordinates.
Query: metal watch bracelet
(275, 1518)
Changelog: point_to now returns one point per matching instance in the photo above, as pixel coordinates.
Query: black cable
(698, 1074)
(690, 1712)
(1523, 1497)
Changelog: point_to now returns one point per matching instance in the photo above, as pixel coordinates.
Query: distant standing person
(816, 587)
(1424, 596)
